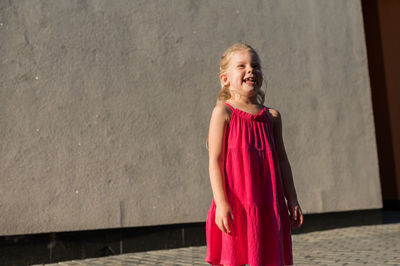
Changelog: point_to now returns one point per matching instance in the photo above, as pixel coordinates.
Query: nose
(250, 70)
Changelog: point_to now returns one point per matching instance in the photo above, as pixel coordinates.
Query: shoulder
(275, 116)
(274, 112)
(221, 111)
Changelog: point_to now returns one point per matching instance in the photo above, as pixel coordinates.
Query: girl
(248, 221)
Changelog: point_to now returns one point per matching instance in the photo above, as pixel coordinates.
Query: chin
(254, 91)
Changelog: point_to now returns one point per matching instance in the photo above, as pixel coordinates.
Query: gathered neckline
(246, 114)
(262, 110)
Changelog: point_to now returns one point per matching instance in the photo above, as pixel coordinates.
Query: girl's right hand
(223, 213)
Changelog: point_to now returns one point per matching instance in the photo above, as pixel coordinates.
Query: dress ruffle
(250, 223)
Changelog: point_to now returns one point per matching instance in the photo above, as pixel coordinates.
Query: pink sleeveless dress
(260, 232)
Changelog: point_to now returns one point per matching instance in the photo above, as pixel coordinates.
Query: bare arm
(286, 171)
(218, 122)
(216, 141)
(296, 214)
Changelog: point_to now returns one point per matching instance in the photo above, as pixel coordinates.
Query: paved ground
(358, 245)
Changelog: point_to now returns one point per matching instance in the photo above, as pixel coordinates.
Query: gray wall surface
(105, 105)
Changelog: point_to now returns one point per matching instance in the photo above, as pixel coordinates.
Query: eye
(241, 66)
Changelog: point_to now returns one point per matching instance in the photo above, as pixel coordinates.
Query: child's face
(244, 73)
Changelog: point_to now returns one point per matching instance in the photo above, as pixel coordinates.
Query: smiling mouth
(250, 80)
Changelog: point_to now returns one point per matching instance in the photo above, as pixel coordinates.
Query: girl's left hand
(296, 215)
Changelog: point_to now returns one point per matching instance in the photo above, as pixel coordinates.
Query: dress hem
(228, 263)
(221, 262)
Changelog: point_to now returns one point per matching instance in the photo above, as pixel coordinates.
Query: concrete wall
(104, 107)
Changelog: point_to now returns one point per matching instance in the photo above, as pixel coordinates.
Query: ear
(224, 79)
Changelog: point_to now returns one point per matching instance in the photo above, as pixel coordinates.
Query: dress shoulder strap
(227, 104)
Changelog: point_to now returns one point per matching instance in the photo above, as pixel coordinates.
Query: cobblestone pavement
(358, 245)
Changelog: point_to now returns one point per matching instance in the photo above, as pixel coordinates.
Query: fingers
(220, 226)
(297, 219)
(223, 224)
(226, 225)
(296, 216)
(301, 217)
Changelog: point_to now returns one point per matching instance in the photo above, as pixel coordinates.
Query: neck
(244, 100)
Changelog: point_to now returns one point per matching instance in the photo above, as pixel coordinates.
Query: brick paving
(357, 245)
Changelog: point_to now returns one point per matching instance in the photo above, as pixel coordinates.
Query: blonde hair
(224, 94)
